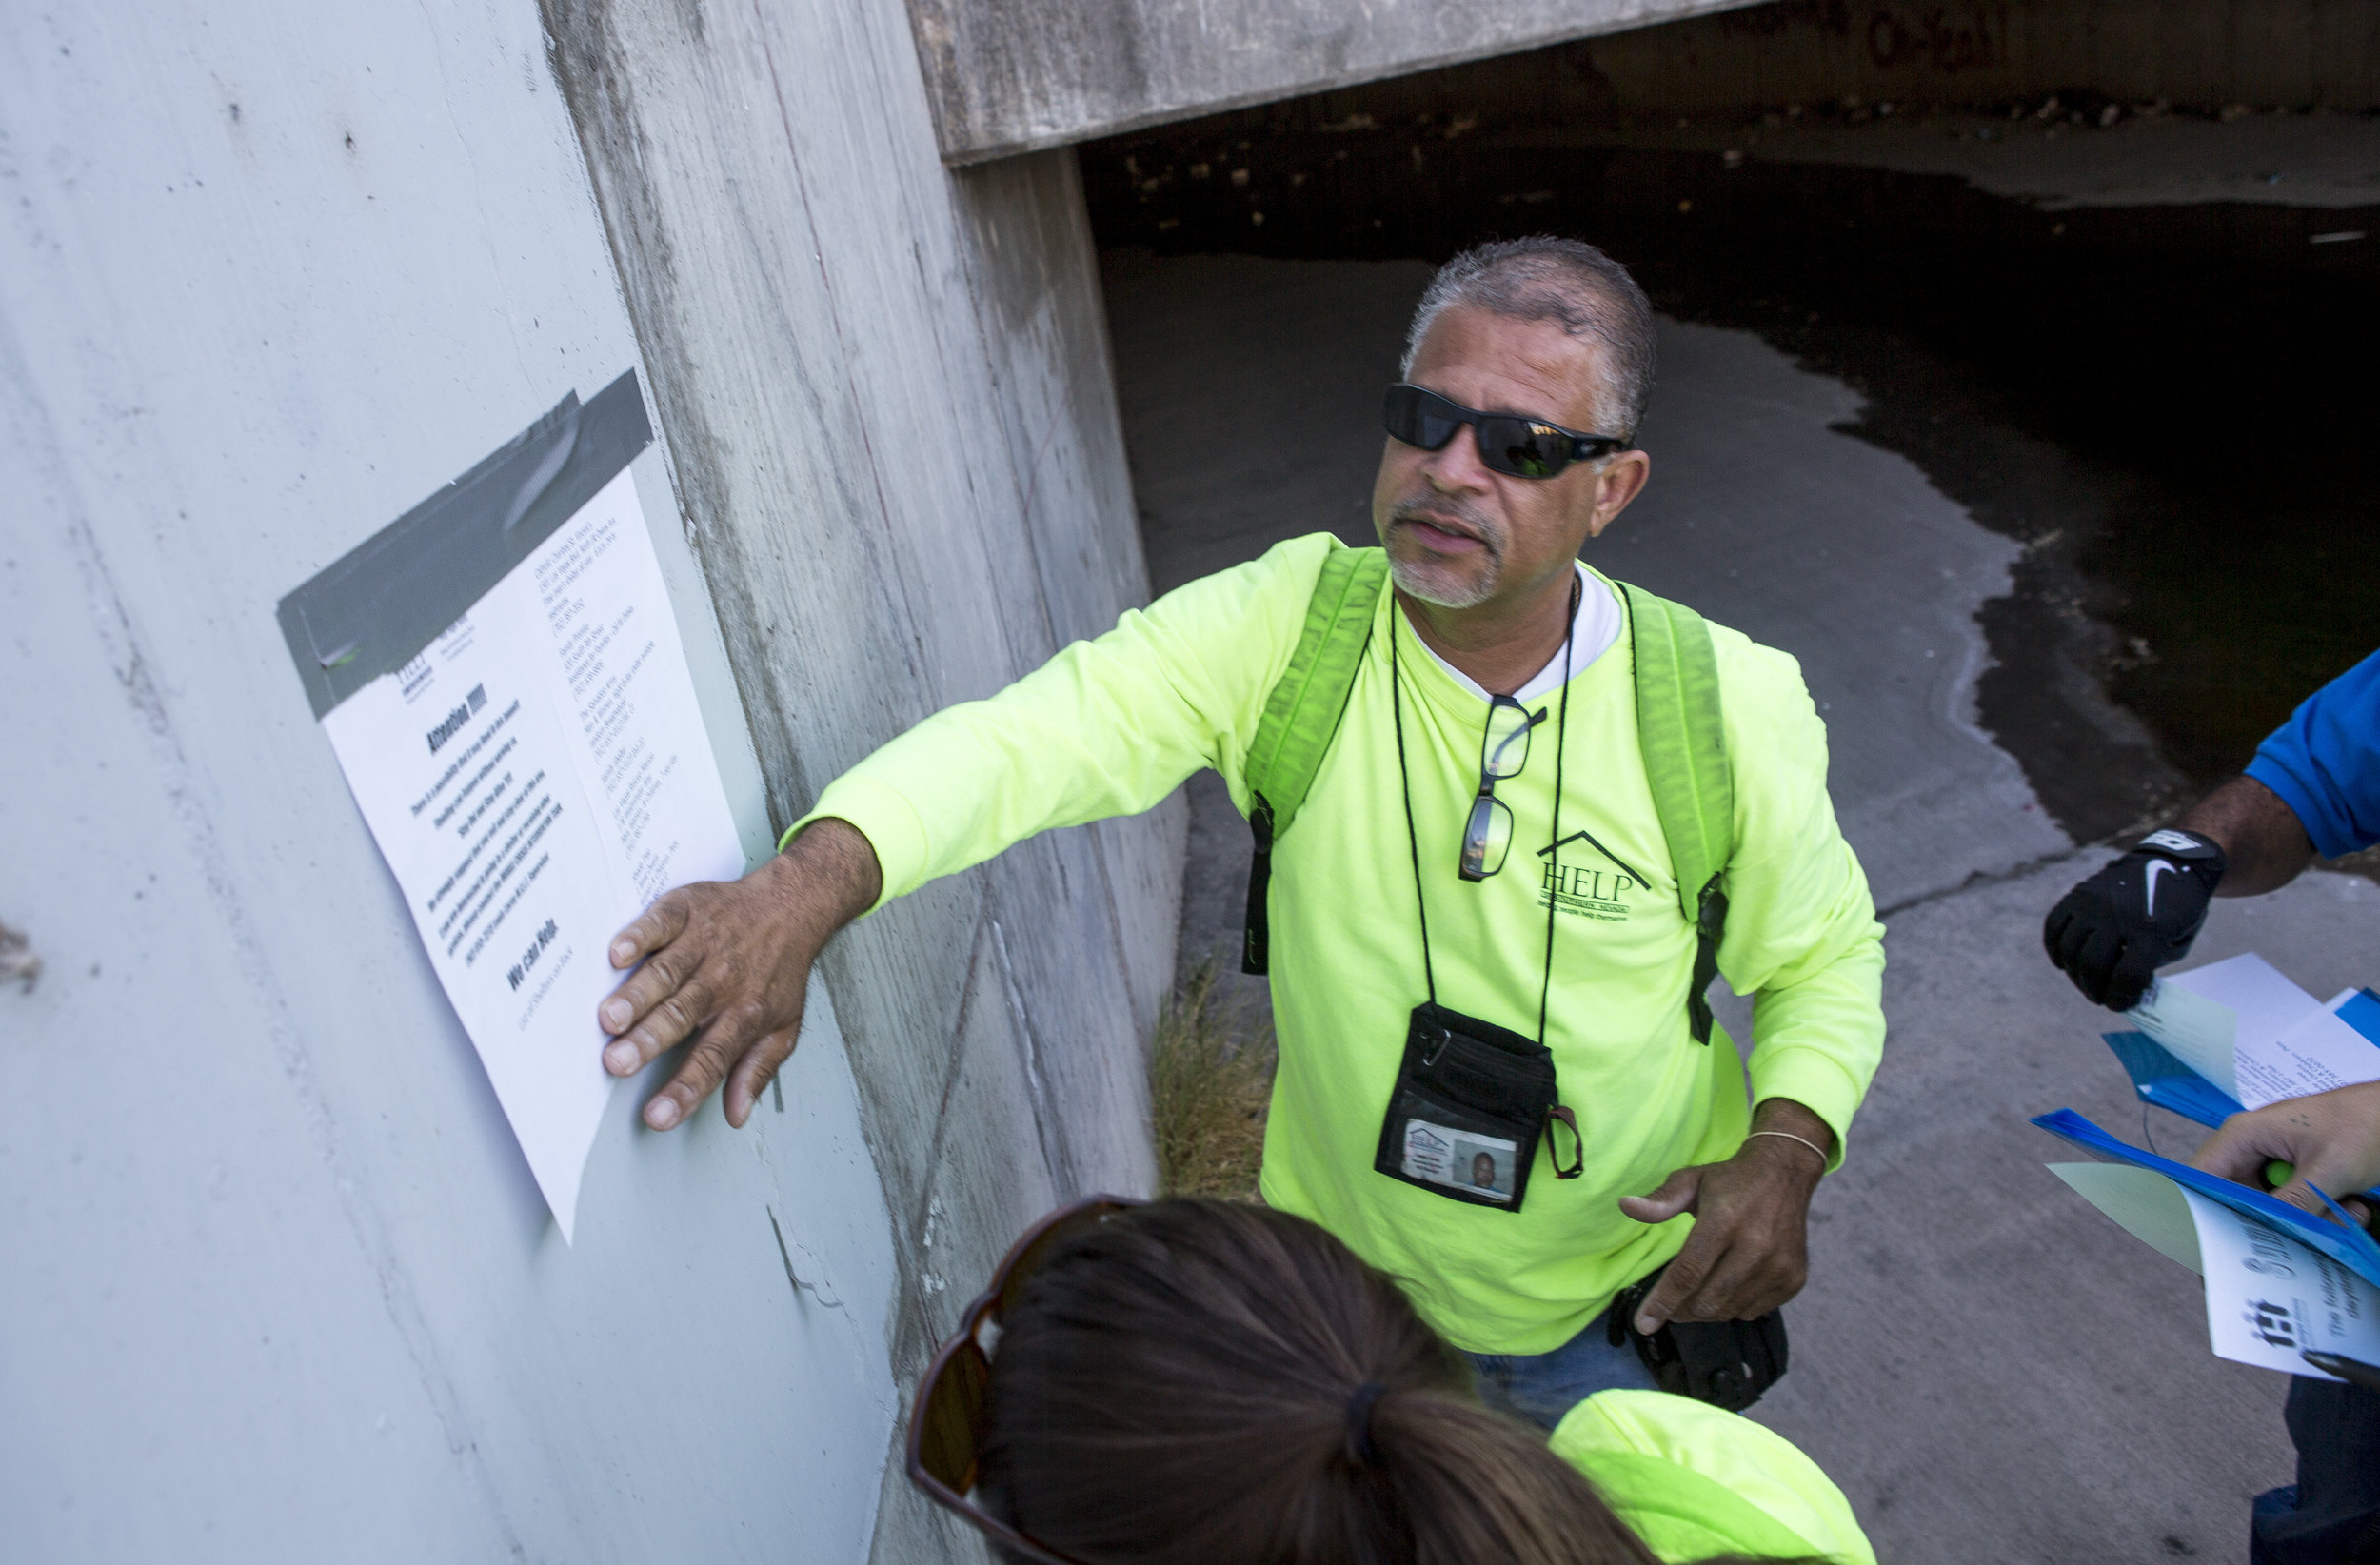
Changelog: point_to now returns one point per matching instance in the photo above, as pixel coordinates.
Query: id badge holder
(1471, 1103)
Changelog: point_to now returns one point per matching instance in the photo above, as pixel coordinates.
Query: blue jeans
(2330, 1516)
(1543, 1387)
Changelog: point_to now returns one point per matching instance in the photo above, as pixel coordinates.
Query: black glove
(2112, 932)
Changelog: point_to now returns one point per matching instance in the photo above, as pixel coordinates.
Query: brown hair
(1174, 1388)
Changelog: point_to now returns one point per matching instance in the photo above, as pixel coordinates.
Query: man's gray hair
(1566, 280)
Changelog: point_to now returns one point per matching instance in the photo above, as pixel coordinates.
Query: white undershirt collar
(1593, 630)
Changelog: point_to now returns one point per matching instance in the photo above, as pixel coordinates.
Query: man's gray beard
(1469, 597)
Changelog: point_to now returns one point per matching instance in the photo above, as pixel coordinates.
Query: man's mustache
(1459, 519)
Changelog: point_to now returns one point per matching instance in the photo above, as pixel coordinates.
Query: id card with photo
(1481, 1166)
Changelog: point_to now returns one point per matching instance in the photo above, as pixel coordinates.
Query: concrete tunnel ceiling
(1009, 76)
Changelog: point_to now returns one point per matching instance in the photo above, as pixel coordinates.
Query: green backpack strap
(1684, 743)
(1302, 718)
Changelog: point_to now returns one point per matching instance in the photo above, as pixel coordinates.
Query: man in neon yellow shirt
(1572, 938)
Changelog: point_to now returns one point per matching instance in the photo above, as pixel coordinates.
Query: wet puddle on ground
(2171, 406)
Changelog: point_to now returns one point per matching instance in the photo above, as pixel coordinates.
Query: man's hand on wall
(727, 963)
(1750, 1248)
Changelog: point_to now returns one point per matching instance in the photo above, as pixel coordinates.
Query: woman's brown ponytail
(1198, 1383)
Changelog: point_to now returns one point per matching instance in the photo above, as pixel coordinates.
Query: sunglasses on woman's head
(1525, 447)
(947, 1424)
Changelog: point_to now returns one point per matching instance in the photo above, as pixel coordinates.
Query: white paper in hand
(2197, 1031)
(2247, 1028)
(2142, 1201)
(2267, 1295)
(2318, 1052)
(2270, 1298)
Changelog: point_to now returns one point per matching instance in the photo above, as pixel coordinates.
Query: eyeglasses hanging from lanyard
(1465, 1082)
(1487, 835)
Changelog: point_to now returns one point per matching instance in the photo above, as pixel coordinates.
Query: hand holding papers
(2277, 1281)
(2303, 1145)
(2216, 1044)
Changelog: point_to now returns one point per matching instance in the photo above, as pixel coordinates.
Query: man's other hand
(2332, 1138)
(1750, 1248)
(727, 963)
(2114, 931)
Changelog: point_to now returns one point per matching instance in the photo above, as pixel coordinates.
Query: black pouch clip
(1471, 1101)
(1726, 1363)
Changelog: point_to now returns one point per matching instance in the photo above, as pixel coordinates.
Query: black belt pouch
(1726, 1363)
(1470, 1103)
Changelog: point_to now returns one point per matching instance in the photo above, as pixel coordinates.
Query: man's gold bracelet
(1823, 1159)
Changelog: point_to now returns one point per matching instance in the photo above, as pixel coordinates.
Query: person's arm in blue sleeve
(2324, 762)
(2313, 787)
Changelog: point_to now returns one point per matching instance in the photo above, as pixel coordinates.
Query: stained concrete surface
(2188, 51)
(2268, 159)
(1987, 1367)
(1011, 76)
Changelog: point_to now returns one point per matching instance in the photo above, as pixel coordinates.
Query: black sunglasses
(946, 1424)
(1524, 447)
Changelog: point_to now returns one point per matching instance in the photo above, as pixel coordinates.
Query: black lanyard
(1561, 742)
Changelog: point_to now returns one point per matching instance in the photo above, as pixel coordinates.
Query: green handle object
(2277, 1174)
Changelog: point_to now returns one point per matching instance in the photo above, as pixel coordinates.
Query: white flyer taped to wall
(535, 777)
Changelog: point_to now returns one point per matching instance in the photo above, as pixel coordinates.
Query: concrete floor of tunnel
(2163, 401)
(1989, 1368)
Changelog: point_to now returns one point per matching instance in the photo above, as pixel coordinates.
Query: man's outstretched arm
(2314, 788)
(1106, 728)
(726, 963)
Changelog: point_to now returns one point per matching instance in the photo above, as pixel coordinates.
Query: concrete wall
(280, 1284)
(1013, 75)
(2297, 54)
(887, 392)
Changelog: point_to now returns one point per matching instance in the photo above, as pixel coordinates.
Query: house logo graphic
(1426, 1151)
(2272, 1322)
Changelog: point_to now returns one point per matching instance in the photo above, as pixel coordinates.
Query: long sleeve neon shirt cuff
(1815, 1078)
(888, 822)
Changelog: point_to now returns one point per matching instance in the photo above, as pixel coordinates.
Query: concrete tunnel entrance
(2033, 418)
(2132, 336)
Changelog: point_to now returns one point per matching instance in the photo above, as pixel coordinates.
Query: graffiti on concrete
(1944, 38)
(1832, 17)
(1947, 41)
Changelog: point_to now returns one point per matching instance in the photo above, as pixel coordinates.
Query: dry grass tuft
(1210, 1078)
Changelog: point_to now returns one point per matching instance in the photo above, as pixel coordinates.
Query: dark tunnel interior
(2171, 406)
